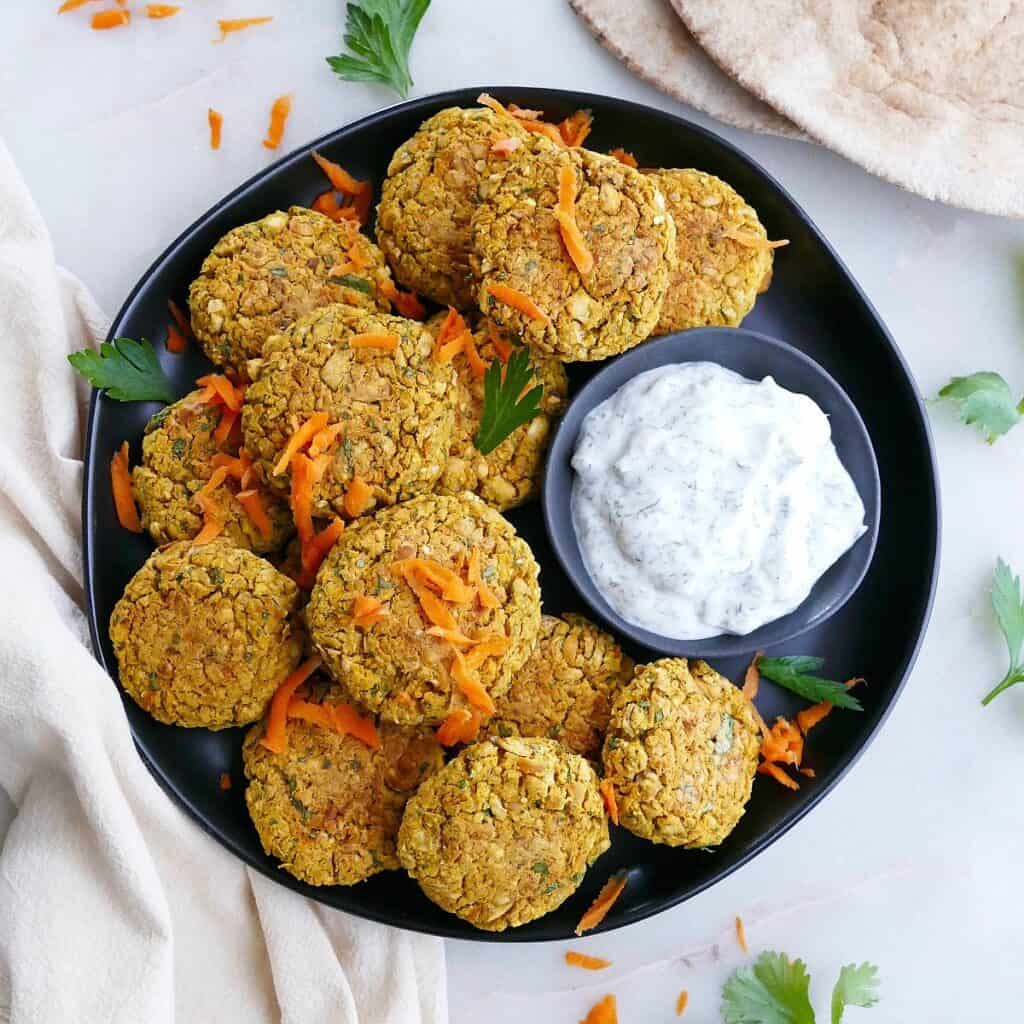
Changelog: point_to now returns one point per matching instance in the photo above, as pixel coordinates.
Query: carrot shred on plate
(115, 17)
(623, 156)
(452, 636)
(340, 179)
(470, 687)
(225, 391)
(408, 304)
(450, 731)
(229, 25)
(446, 352)
(473, 573)
(741, 934)
(588, 963)
(446, 582)
(752, 240)
(228, 418)
(358, 497)
(327, 204)
(487, 647)
(279, 112)
(777, 773)
(386, 342)
(301, 497)
(433, 607)
(215, 119)
(752, 678)
(501, 346)
(239, 467)
(252, 503)
(275, 737)
(808, 718)
(477, 365)
(809, 772)
(604, 1012)
(323, 440)
(598, 910)
(610, 803)
(299, 440)
(159, 11)
(565, 214)
(348, 720)
(176, 342)
(518, 301)
(183, 322)
(505, 146)
(784, 743)
(224, 782)
(121, 488)
(315, 714)
(576, 127)
(366, 611)
(681, 1002)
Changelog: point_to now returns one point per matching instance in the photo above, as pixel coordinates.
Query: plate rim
(438, 100)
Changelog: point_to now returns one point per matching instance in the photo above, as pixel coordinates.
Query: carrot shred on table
(73, 5)
(752, 240)
(777, 773)
(299, 440)
(456, 726)
(471, 688)
(588, 963)
(598, 910)
(115, 17)
(681, 1002)
(279, 112)
(366, 611)
(623, 156)
(228, 419)
(604, 1012)
(159, 11)
(505, 146)
(215, 119)
(339, 178)
(275, 736)
(500, 345)
(576, 127)
(252, 503)
(752, 678)
(741, 934)
(565, 214)
(610, 803)
(121, 488)
(358, 497)
(224, 782)
(386, 342)
(349, 721)
(315, 714)
(229, 25)
(517, 300)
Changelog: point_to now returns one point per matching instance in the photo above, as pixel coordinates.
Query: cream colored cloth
(115, 907)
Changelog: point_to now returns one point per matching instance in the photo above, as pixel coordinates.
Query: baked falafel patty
(396, 667)
(504, 833)
(178, 449)
(395, 408)
(261, 277)
(329, 807)
(434, 183)
(509, 475)
(681, 753)
(517, 243)
(564, 691)
(721, 267)
(204, 635)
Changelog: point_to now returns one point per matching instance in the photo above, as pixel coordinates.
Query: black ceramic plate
(813, 304)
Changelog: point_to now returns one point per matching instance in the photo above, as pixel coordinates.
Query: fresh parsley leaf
(856, 986)
(379, 33)
(504, 409)
(794, 673)
(1008, 605)
(772, 991)
(126, 370)
(985, 399)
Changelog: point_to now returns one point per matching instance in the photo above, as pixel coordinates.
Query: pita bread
(648, 37)
(928, 94)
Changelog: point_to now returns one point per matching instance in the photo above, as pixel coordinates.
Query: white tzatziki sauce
(706, 503)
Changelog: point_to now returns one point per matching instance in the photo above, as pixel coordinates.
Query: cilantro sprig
(796, 673)
(985, 400)
(1008, 604)
(504, 410)
(126, 370)
(775, 990)
(379, 33)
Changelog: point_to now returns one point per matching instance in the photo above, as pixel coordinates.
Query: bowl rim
(558, 518)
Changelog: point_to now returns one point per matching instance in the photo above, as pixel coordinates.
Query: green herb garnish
(985, 400)
(1008, 605)
(774, 990)
(794, 673)
(379, 33)
(126, 370)
(504, 411)
(360, 284)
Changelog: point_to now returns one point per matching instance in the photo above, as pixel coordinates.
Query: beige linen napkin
(114, 907)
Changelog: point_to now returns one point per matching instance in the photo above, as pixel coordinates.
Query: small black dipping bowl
(754, 356)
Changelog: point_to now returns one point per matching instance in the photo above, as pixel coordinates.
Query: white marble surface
(911, 861)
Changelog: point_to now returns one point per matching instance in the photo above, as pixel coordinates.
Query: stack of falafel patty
(431, 717)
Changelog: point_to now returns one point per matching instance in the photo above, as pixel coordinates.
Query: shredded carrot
(225, 391)
(684, 998)
(470, 687)
(752, 679)
(505, 146)
(252, 502)
(610, 803)
(522, 114)
(452, 729)
(72, 5)
(385, 342)
(407, 303)
(443, 580)
(212, 528)
(348, 720)
(598, 910)
(113, 18)
(445, 353)
(327, 204)
(183, 322)
(212, 524)
(489, 647)
(603, 1012)
(576, 127)
(489, 101)
(228, 419)
(299, 440)
(784, 743)
(275, 738)
(279, 112)
(768, 768)
(217, 477)
(315, 714)
(623, 156)
(807, 719)
(324, 439)
(302, 497)
(453, 636)
(518, 301)
(367, 610)
(741, 935)
(753, 241)
(565, 214)
(238, 467)
(358, 497)
(215, 119)
(315, 550)
(809, 772)
(433, 607)
(501, 346)
(229, 25)
(588, 963)
(121, 488)
(162, 11)
(476, 365)
(224, 782)
(176, 342)
(339, 178)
